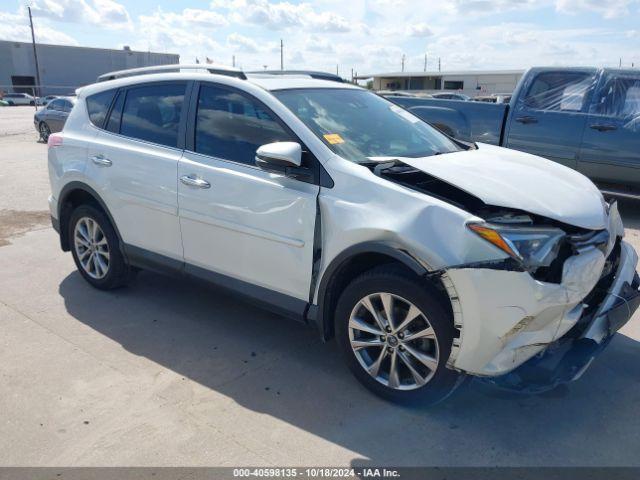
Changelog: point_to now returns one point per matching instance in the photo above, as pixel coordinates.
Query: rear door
(251, 229)
(548, 119)
(611, 145)
(134, 160)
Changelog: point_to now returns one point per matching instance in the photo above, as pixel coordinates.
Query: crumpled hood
(508, 178)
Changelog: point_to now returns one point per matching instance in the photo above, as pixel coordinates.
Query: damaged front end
(537, 316)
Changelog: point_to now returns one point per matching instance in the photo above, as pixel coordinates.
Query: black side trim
(321, 316)
(139, 257)
(271, 300)
(268, 299)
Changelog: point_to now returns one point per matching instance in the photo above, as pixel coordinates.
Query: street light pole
(281, 55)
(35, 55)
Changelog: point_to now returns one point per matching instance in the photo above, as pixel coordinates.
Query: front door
(242, 226)
(611, 145)
(549, 118)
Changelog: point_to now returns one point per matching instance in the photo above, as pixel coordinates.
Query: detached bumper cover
(568, 358)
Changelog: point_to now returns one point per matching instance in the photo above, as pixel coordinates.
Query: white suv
(427, 259)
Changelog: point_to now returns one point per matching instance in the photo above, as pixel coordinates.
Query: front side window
(559, 91)
(98, 105)
(232, 126)
(152, 113)
(359, 125)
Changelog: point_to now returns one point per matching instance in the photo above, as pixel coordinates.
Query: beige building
(472, 83)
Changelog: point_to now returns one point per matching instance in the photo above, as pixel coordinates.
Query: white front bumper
(506, 317)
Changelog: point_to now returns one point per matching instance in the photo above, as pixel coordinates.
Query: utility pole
(35, 55)
(233, 61)
(281, 55)
(620, 65)
(425, 62)
(439, 65)
(351, 75)
(337, 69)
(403, 57)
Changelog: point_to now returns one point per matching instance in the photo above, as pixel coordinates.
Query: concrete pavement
(169, 372)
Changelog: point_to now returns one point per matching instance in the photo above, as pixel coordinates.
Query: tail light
(55, 140)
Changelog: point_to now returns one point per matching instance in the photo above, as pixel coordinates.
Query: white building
(472, 83)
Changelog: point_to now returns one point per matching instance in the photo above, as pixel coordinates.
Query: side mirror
(279, 155)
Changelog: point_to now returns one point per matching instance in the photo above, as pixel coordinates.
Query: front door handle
(101, 161)
(603, 128)
(193, 181)
(527, 119)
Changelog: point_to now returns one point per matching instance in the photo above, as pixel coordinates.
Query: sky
(369, 36)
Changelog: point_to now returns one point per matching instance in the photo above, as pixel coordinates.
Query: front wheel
(396, 337)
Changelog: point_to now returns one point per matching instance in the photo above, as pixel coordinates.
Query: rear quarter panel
(67, 162)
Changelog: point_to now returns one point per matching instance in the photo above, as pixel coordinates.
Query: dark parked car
(51, 119)
(585, 118)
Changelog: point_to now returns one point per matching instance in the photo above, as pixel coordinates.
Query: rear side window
(232, 126)
(98, 106)
(55, 105)
(152, 113)
(559, 91)
(620, 97)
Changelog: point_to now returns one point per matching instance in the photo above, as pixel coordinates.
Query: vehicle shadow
(281, 368)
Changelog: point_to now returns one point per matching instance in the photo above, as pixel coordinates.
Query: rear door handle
(603, 128)
(193, 181)
(527, 119)
(101, 161)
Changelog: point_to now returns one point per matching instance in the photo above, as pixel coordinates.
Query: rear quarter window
(98, 106)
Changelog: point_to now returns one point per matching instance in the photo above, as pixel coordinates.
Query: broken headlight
(533, 247)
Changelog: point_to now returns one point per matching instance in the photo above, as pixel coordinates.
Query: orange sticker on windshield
(333, 138)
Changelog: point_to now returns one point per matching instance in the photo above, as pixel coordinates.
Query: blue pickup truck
(585, 118)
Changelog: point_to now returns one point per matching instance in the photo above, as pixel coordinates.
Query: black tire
(118, 272)
(401, 282)
(33, 104)
(45, 131)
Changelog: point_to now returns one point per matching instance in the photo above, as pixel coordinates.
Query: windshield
(359, 125)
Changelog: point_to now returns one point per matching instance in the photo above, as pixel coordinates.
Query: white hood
(508, 178)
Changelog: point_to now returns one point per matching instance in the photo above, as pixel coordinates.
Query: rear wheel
(45, 131)
(396, 337)
(96, 248)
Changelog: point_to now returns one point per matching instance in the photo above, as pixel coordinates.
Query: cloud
(189, 18)
(242, 44)
(489, 6)
(607, 8)
(282, 15)
(16, 27)
(419, 30)
(318, 45)
(108, 13)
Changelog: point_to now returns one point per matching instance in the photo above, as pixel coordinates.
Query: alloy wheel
(393, 341)
(92, 248)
